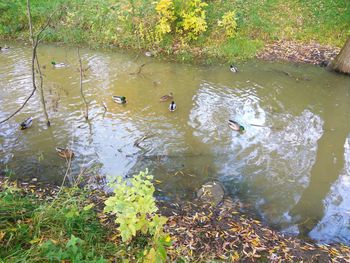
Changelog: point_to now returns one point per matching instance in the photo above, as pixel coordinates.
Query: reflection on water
(335, 223)
(288, 165)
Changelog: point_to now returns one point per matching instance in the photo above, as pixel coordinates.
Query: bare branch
(139, 70)
(34, 87)
(81, 70)
(35, 43)
(42, 98)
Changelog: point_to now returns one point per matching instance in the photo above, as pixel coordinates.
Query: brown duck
(65, 153)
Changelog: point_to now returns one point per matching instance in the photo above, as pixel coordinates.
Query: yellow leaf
(88, 207)
(2, 234)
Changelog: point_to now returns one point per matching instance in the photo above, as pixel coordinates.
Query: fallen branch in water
(81, 70)
(139, 70)
(35, 42)
(143, 138)
(104, 106)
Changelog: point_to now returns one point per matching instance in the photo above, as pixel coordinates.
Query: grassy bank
(225, 31)
(48, 224)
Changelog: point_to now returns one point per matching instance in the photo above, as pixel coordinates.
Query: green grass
(100, 23)
(34, 230)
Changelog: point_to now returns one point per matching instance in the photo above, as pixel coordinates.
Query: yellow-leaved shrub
(229, 24)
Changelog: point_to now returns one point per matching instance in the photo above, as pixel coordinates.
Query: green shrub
(73, 251)
(135, 209)
(229, 24)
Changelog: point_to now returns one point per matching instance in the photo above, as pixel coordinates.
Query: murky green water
(293, 169)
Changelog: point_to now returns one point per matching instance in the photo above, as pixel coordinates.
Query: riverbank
(43, 222)
(195, 31)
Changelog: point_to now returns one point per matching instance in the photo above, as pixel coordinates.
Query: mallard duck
(58, 65)
(235, 126)
(65, 153)
(166, 97)
(5, 48)
(119, 99)
(26, 123)
(172, 106)
(233, 69)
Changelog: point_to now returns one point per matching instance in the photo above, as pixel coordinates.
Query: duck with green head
(235, 126)
(26, 123)
(119, 99)
(58, 65)
(172, 106)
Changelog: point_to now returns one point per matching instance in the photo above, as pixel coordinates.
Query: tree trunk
(342, 62)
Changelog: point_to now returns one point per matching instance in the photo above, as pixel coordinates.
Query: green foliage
(74, 251)
(27, 221)
(165, 11)
(9, 172)
(189, 17)
(229, 23)
(135, 209)
(181, 28)
(193, 19)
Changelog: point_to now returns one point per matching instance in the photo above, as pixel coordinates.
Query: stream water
(292, 165)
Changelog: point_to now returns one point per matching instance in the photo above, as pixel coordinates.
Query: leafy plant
(165, 11)
(193, 19)
(9, 172)
(135, 209)
(74, 251)
(228, 22)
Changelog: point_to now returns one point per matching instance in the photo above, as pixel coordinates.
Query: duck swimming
(65, 152)
(166, 97)
(235, 126)
(172, 106)
(233, 69)
(5, 48)
(26, 123)
(58, 65)
(119, 99)
(148, 54)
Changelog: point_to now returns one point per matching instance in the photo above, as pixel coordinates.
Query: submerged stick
(139, 70)
(86, 114)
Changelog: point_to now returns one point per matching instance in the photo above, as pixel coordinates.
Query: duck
(26, 123)
(172, 106)
(235, 126)
(65, 152)
(5, 48)
(148, 54)
(233, 69)
(165, 98)
(119, 99)
(58, 65)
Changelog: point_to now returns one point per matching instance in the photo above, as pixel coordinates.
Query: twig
(34, 59)
(104, 106)
(34, 87)
(139, 70)
(42, 98)
(86, 115)
(143, 138)
(44, 27)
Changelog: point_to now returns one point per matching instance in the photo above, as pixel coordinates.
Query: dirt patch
(312, 53)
